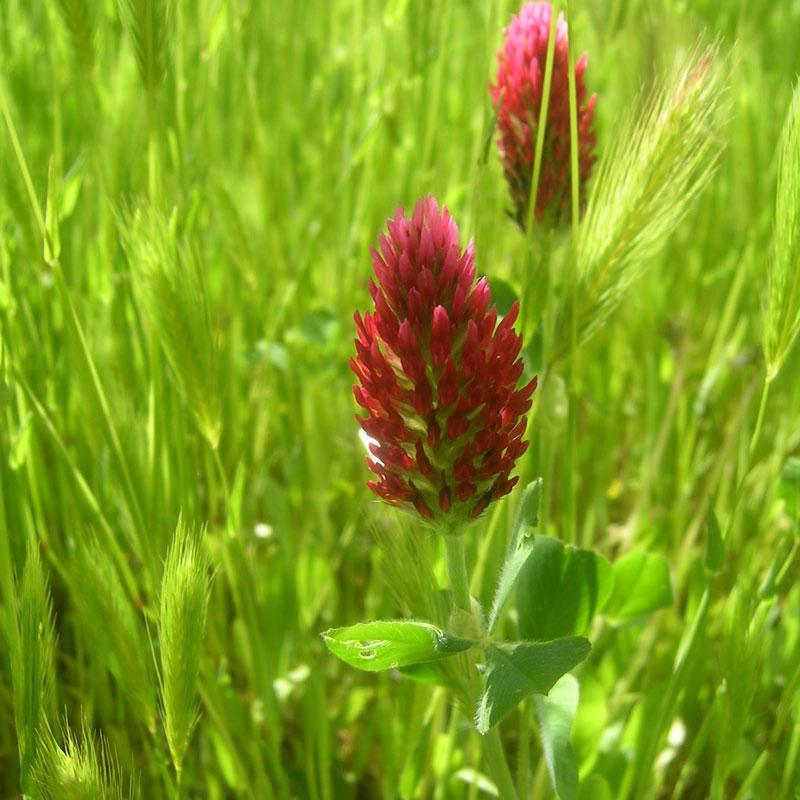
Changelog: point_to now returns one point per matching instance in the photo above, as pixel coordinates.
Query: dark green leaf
(390, 644)
(560, 589)
(641, 584)
(556, 713)
(516, 670)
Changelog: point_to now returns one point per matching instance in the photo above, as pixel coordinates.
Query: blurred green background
(276, 141)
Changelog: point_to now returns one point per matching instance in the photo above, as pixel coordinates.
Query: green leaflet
(390, 644)
(516, 670)
(560, 589)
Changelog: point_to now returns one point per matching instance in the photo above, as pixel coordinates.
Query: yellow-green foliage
(782, 313)
(182, 617)
(659, 158)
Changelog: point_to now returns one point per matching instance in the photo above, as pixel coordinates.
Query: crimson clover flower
(437, 373)
(517, 96)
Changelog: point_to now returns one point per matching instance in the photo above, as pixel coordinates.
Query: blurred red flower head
(437, 374)
(517, 96)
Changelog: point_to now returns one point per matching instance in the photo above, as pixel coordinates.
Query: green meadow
(188, 197)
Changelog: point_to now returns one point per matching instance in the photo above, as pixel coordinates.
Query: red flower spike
(517, 96)
(437, 375)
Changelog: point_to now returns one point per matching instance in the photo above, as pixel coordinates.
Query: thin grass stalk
(570, 532)
(129, 490)
(85, 490)
(8, 618)
(542, 126)
(50, 249)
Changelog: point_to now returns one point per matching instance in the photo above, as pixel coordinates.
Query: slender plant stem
(152, 149)
(752, 776)
(23, 164)
(457, 571)
(7, 579)
(524, 748)
(570, 516)
(791, 760)
(496, 759)
(459, 589)
(759, 422)
(542, 127)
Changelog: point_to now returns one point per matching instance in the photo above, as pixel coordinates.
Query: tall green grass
(187, 200)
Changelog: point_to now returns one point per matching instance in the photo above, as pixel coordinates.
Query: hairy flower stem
(457, 571)
(459, 591)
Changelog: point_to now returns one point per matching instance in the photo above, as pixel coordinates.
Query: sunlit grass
(188, 194)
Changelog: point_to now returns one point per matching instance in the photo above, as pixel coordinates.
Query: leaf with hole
(516, 670)
(390, 644)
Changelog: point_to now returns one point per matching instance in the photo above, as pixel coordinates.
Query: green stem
(759, 421)
(524, 748)
(7, 593)
(752, 776)
(739, 495)
(152, 150)
(496, 759)
(540, 133)
(457, 571)
(459, 589)
(570, 526)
